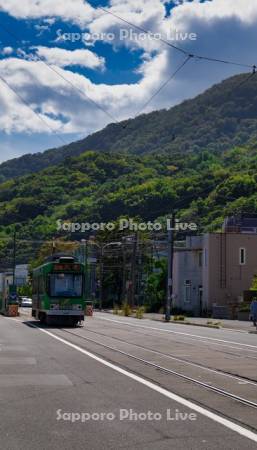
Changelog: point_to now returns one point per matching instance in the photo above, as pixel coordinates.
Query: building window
(187, 291)
(242, 256)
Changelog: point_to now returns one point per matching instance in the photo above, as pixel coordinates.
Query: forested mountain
(140, 171)
(217, 120)
(100, 187)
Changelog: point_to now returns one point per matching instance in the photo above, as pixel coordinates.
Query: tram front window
(65, 285)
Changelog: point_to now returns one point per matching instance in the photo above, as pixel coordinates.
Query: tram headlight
(54, 306)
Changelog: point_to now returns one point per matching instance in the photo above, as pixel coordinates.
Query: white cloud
(225, 29)
(66, 58)
(246, 11)
(51, 95)
(50, 21)
(77, 11)
(41, 29)
(7, 51)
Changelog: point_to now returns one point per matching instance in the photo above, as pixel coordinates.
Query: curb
(217, 327)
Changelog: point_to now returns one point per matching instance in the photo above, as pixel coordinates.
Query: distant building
(212, 272)
(230, 263)
(20, 278)
(21, 274)
(6, 279)
(187, 276)
(240, 224)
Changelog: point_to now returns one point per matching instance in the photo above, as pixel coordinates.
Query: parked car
(26, 302)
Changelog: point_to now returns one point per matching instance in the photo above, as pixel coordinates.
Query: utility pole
(133, 271)
(14, 256)
(123, 270)
(85, 262)
(53, 246)
(101, 278)
(170, 269)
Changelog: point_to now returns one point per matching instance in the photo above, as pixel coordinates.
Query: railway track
(242, 379)
(201, 340)
(201, 384)
(244, 415)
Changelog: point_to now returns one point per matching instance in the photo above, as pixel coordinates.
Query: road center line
(176, 398)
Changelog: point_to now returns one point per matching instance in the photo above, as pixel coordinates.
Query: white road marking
(176, 332)
(37, 379)
(15, 360)
(215, 417)
(12, 348)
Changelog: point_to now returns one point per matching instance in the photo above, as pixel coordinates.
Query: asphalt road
(120, 383)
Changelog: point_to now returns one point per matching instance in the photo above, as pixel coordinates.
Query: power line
(38, 58)
(175, 47)
(165, 84)
(31, 109)
(137, 27)
(246, 80)
(181, 50)
(223, 61)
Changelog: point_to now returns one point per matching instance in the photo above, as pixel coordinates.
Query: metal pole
(101, 279)
(14, 255)
(170, 269)
(53, 246)
(87, 271)
(123, 271)
(85, 262)
(133, 271)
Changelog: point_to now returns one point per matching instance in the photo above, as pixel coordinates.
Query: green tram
(58, 290)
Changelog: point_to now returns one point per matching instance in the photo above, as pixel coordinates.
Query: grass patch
(140, 312)
(179, 318)
(126, 310)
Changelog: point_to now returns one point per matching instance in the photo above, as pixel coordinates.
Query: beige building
(212, 272)
(229, 264)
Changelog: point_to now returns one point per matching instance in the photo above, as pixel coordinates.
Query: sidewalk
(228, 324)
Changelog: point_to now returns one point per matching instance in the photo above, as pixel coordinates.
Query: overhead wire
(145, 31)
(140, 28)
(175, 47)
(243, 82)
(165, 84)
(38, 58)
(31, 109)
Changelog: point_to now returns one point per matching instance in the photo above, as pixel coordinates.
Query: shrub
(140, 312)
(177, 318)
(244, 307)
(116, 310)
(126, 310)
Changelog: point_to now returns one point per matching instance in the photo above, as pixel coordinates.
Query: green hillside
(217, 120)
(100, 187)
(207, 170)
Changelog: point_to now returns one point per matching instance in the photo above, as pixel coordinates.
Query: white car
(26, 302)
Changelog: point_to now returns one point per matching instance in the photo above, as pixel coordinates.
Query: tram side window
(41, 286)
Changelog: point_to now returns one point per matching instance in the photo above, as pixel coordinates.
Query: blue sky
(80, 68)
